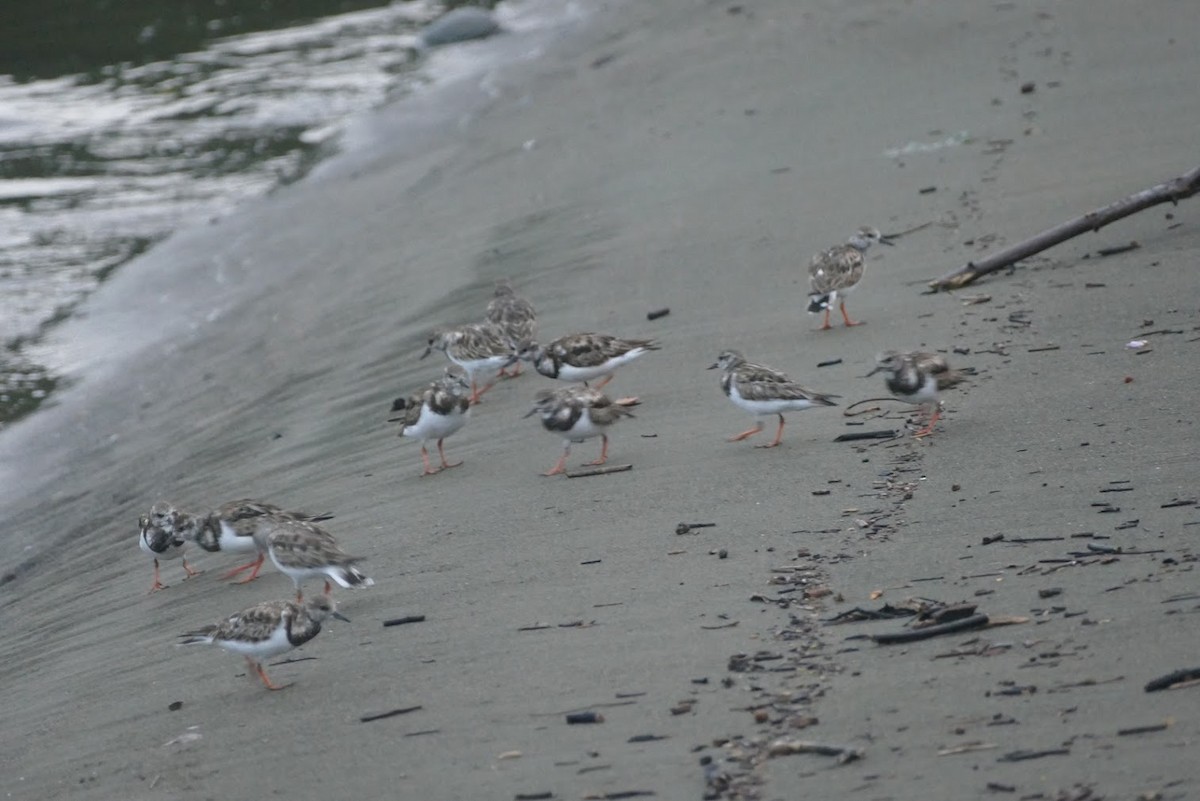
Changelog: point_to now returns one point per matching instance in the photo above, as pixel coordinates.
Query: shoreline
(675, 162)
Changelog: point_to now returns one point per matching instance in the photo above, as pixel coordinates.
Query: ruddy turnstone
(834, 273)
(578, 414)
(763, 391)
(234, 526)
(586, 357)
(514, 316)
(160, 542)
(434, 412)
(302, 550)
(481, 349)
(266, 630)
(916, 377)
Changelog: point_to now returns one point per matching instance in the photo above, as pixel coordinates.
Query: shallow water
(119, 125)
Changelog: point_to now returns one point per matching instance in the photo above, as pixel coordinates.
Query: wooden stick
(911, 635)
(599, 471)
(1172, 191)
(786, 746)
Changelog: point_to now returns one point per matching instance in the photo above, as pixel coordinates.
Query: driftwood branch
(1172, 191)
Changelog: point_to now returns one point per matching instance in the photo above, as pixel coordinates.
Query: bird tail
(818, 303)
(201, 636)
(350, 576)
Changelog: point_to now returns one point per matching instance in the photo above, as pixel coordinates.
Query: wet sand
(688, 156)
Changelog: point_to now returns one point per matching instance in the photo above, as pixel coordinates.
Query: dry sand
(679, 154)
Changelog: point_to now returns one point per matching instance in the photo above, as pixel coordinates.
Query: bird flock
(481, 353)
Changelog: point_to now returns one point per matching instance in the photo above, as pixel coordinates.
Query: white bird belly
(274, 645)
(568, 372)
(435, 426)
(763, 408)
(230, 540)
(583, 429)
(485, 368)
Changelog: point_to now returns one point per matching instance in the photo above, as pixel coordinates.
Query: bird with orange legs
(916, 377)
(480, 349)
(234, 527)
(161, 543)
(577, 414)
(266, 630)
(587, 357)
(516, 318)
(834, 273)
(434, 412)
(763, 391)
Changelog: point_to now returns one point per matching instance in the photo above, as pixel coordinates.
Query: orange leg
(933, 418)
(778, 436)
(602, 382)
(429, 469)
(603, 451)
(442, 453)
(299, 594)
(846, 317)
(560, 466)
(262, 674)
(256, 564)
(240, 568)
(745, 434)
(157, 585)
(328, 587)
(477, 393)
(188, 569)
(826, 326)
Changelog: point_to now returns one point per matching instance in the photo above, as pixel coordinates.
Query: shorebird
(268, 629)
(434, 412)
(586, 357)
(916, 377)
(480, 349)
(236, 526)
(160, 542)
(515, 317)
(303, 550)
(834, 273)
(763, 391)
(578, 414)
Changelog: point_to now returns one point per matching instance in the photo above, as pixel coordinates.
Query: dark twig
(1171, 679)
(1118, 249)
(908, 231)
(391, 714)
(911, 635)
(400, 621)
(1172, 191)
(1020, 756)
(885, 433)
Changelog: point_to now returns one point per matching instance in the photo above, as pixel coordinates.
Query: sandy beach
(691, 156)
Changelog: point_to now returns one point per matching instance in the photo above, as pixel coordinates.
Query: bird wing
(837, 268)
(758, 382)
